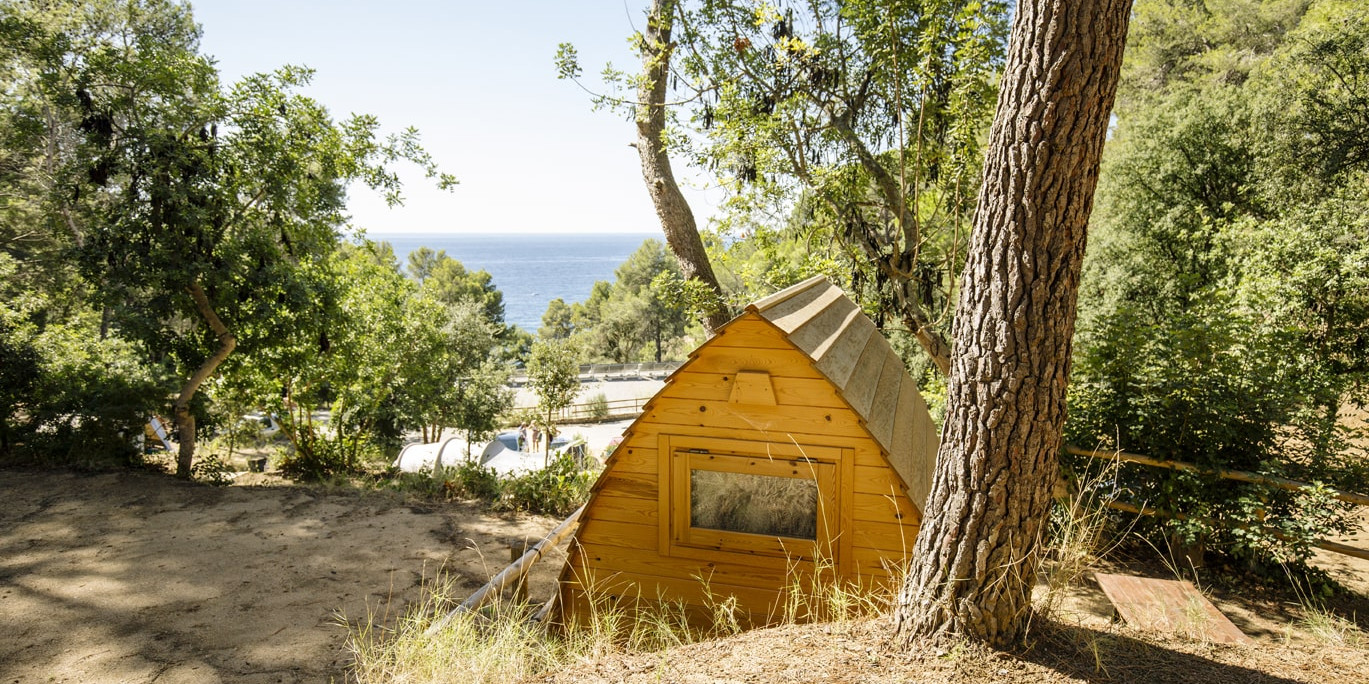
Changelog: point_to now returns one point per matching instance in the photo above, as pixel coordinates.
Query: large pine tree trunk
(677, 220)
(185, 420)
(975, 559)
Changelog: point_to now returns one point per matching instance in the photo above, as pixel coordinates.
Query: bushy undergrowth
(320, 455)
(556, 490)
(211, 469)
(67, 398)
(598, 406)
(1211, 388)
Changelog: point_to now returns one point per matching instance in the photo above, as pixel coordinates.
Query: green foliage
(643, 315)
(598, 406)
(557, 489)
(19, 372)
(389, 358)
(470, 480)
(423, 261)
(856, 125)
(318, 455)
(449, 282)
(141, 182)
(1223, 310)
(554, 375)
(70, 397)
(210, 469)
(557, 321)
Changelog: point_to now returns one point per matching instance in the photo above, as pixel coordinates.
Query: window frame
(681, 454)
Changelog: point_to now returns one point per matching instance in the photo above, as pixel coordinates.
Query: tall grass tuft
(1078, 534)
(496, 645)
(500, 643)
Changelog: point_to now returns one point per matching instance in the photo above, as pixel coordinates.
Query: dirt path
(132, 577)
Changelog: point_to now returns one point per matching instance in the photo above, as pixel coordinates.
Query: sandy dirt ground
(137, 577)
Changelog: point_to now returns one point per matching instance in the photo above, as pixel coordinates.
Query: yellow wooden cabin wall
(617, 550)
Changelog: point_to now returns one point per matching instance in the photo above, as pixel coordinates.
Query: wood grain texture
(816, 335)
(812, 391)
(1169, 606)
(790, 362)
(838, 361)
(834, 382)
(719, 419)
(798, 310)
(879, 419)
(860, 389)
(749, 330)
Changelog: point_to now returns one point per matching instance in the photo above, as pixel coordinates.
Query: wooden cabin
(793, 442)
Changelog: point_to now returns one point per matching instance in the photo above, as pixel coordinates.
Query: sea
(531, 269)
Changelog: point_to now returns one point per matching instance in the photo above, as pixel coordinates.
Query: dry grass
(500, 643)
(829, 631)
(1077, 537)
(861, 651)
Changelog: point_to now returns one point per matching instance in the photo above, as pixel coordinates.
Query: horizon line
(503, 233)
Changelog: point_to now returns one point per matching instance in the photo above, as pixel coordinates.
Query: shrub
(210, 469)
(318, 455)
(558, 489)
(1208, 387)
(598, 406)
(70, 398)
(471, 480)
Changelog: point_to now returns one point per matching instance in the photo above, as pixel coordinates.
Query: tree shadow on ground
(134, 577)
(1092, 655)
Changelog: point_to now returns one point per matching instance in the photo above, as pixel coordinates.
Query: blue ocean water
(530, 269)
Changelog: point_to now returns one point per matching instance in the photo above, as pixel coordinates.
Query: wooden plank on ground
(1169, 606)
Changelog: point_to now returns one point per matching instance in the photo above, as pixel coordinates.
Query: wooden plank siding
(841, 399)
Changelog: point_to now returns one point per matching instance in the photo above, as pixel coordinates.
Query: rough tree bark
(185, 420)
(677, 220)
(975, 557)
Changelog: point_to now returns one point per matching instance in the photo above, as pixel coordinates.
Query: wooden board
(788, 391)
(839, 358)
(788, 315)
(750, 330)
(1169, 606)
(885, 508)
(880, 418)
(817, 335)
(860, 388)
(777, 362)
(720, 419)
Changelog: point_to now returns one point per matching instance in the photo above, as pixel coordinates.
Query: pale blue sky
(478, 81)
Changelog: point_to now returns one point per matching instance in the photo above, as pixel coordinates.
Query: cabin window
(749, 497)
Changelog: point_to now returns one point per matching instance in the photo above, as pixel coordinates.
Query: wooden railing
(594, 372)
(614, 409)
(514, 573)
(1225, 473)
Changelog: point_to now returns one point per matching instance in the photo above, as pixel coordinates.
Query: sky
(478, 81)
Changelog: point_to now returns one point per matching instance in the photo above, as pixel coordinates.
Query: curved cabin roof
(819, 320)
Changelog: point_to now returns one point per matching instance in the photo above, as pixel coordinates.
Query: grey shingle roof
(845, 347)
